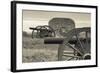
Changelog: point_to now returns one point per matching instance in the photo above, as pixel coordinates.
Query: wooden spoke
(87, 40)
(75, 49)
(81, 45)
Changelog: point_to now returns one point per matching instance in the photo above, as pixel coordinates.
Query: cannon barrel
(60, 40)
(39, 29)
(32, 28)
(53, 40)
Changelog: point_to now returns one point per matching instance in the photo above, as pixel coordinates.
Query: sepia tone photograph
(50, 36)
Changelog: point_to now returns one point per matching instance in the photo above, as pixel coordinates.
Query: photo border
(13, 34)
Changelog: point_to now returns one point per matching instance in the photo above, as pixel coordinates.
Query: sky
(33, 18)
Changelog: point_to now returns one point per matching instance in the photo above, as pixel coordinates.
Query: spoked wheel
(50, 31)
(45, 31)
(76, 45)
(37, 32)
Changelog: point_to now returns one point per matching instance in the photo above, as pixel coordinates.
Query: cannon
(75, 40)
(42, 31)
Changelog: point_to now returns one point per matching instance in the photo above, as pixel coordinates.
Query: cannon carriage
(78, 40)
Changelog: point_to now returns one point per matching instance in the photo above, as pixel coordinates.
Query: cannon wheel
(81, 47)
(38, 27)
(38, 31)
(51, 29)
(48, 28)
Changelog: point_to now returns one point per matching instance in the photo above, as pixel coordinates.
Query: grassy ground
(35, 51)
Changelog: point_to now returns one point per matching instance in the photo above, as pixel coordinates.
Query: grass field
(34, 50)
